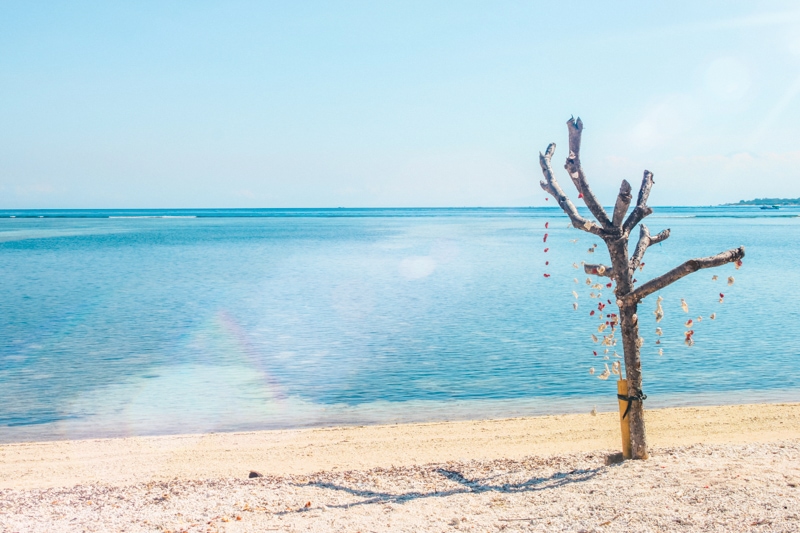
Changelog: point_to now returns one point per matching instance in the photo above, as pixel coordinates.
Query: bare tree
(615, 232)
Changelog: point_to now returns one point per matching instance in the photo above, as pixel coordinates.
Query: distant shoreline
(768, 201)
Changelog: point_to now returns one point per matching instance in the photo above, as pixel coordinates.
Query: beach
(724, 468)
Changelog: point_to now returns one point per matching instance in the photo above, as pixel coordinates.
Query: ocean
(142, 322)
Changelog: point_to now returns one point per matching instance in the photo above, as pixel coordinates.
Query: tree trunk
(629, 325)
(629, 331)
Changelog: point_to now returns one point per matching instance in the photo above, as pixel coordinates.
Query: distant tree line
(769, 201)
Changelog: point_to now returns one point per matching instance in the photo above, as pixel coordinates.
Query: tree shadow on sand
(465, 486)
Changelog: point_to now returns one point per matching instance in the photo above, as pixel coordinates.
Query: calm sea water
(150, 322)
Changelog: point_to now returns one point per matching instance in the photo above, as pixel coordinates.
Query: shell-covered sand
(694, 488)
(749, 482)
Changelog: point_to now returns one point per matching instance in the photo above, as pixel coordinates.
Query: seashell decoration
(659, 312)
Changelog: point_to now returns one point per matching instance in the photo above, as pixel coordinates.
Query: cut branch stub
(623, 202)
(642, 209)
(573, 166)
(645, 241)
(599, 270)
(692, 265)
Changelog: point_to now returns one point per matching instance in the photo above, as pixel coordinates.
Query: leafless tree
(615, 232)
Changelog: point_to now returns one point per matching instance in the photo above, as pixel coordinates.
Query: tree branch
(623, 202)
(692, 265)
(645, 241)
(575, 171)
(599, 270)
(551, 186)
(642, 209)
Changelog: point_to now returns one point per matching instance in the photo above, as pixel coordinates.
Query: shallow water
(148, 322)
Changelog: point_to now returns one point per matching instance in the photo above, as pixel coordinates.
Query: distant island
(769, 201)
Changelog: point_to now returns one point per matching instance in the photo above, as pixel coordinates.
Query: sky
(372, 104)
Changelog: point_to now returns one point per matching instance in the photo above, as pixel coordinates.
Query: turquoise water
(154, 322)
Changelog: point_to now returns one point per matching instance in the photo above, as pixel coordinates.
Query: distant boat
(770, 207)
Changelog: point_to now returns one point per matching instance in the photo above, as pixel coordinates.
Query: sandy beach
(726, 468)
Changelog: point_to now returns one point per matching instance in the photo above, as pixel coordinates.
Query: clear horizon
(262, 105)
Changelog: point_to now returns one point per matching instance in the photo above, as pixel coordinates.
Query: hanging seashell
(575, 305)
(594, 337)
(588, 281)
(608, 286)
(597, 286)
(605, 351)
(616, 354)
(641, 267)
(712, 316)
(605, 358)
(591, 371)
(546, 225)
(639, 342)
(721, 297)
(714, 277)
(594, 245)
(591, 295)
(730, 280)
(575, 280)
(601, 270)
(659, 312)
(546, 250)
(659, 332)
(606, 373)
(575, 294)
(688, 323)
(574, 265)
(590, 250)
(591, 313)
(545, 238)
(738, 264)
(689, 340)
(699, 319)
(573, 241)
(547, 275)
(684, 306)
(616, 368)
(601, 328)
(661, 351)
(658, 341)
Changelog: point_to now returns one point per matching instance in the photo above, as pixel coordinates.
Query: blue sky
(293, 104)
